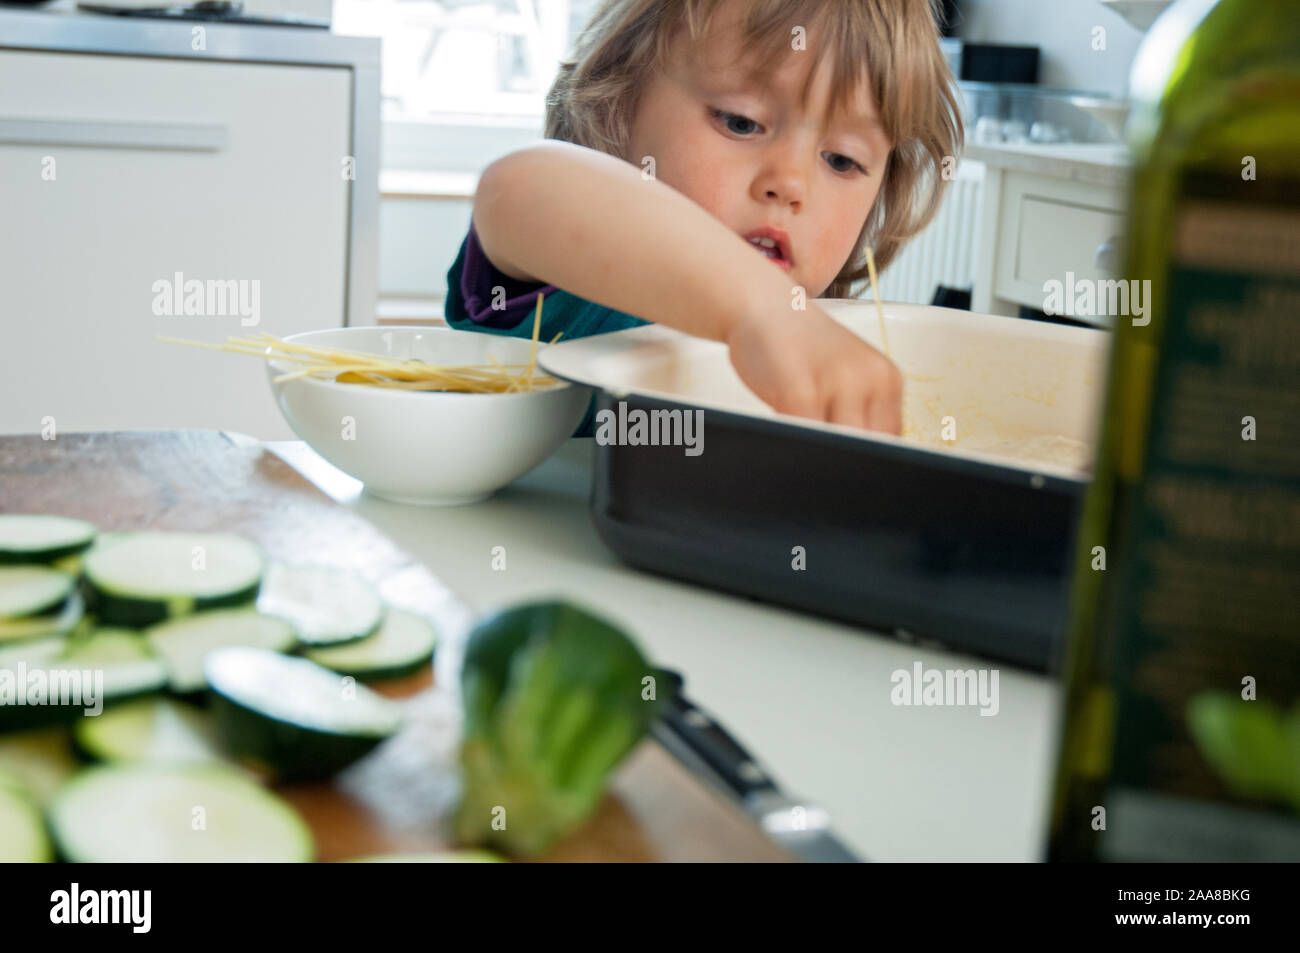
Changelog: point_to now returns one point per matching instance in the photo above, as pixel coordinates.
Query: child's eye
(843, 163)
(732, 120)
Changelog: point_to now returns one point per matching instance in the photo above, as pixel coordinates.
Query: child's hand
(592, 225)
(807, 364)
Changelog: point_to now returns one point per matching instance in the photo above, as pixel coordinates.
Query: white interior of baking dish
(1018, 392)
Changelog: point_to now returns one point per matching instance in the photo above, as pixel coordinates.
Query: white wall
(1063, 31)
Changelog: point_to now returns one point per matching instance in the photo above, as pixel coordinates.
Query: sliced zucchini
(117, 663)
(40, 760)
(143, 578)
(56, 623)
(32, 538)
(292, 716)
(184, 643)
(402, 646)
(32, 590)
(143, 813)
(326, 606)
(104, 540)
(24, 677)
(72, 564)
(149, 729)
(33, 653)
(129, 667)
(22, 828)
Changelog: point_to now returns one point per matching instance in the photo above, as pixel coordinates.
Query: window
(464, 82)
(449, 60)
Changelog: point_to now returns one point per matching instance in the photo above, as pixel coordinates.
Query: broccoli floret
(554, 699)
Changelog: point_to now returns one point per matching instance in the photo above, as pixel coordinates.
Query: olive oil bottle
(1181, 730)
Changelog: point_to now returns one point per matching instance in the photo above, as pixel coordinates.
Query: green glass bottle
(1181, 731)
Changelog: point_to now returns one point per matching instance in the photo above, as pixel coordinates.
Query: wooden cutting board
(396, 800)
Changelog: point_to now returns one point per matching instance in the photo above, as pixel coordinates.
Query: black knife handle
(709, 741)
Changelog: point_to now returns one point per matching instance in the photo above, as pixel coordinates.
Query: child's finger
(799, 400)
(849, 407)
(885, 413)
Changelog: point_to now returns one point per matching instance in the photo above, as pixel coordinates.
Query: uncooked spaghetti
(357, 367)
(880, 309)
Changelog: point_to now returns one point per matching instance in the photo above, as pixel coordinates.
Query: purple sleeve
(478, 279)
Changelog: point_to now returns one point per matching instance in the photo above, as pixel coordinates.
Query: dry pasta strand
(537, 329)
(373, 370)
(880, 309)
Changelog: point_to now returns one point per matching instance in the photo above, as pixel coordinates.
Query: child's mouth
(773, 244)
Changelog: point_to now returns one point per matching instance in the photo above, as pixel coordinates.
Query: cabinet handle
(1107, 257)
(179, 136)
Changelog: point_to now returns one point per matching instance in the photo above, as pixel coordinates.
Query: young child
(707, 161)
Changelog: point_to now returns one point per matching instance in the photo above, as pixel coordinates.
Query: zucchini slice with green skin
(293, 717)
(27, 591)
(23, 839)
(109, 538)
(326, 606)
(34, 653)
(184, 643)
(149, 729)
(118, 661)
(17, 665)
(41, 761)
(42, 626)
(402, 646)
(146, 813)
(143, 578)
(130, 668)
(33, 538)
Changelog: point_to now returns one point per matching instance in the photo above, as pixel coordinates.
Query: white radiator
(943, 254)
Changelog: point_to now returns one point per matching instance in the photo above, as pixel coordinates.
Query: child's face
(754, 158)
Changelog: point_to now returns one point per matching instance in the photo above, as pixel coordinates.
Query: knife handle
(712, 743)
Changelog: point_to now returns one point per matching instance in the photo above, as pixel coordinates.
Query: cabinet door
(1050, 228)
(120, 174)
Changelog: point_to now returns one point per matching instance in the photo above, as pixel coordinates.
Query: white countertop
(809, 697)
(1095, 163)
(61, 26)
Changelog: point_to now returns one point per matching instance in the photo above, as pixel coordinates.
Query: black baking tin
(928, 546)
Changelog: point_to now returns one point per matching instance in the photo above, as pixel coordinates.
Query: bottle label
(1206, 758)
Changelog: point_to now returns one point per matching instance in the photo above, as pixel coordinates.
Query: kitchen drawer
(216, 171)
(1056, 238)
(1048, 227)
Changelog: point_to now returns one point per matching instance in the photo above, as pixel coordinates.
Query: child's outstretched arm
(591, 224)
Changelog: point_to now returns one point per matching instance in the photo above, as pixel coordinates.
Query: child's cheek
(831, 247)
(704, 178)
(718, 195)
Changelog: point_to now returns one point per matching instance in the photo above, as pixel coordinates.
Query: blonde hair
(594, 97)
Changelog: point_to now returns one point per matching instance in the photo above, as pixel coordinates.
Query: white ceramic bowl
(427, 447)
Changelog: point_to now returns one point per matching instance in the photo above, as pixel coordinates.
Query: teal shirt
(470, 292)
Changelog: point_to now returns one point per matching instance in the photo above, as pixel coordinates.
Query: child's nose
(783, 180)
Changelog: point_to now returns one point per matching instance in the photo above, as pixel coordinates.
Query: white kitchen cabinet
(119, 173)
(1047, 212)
